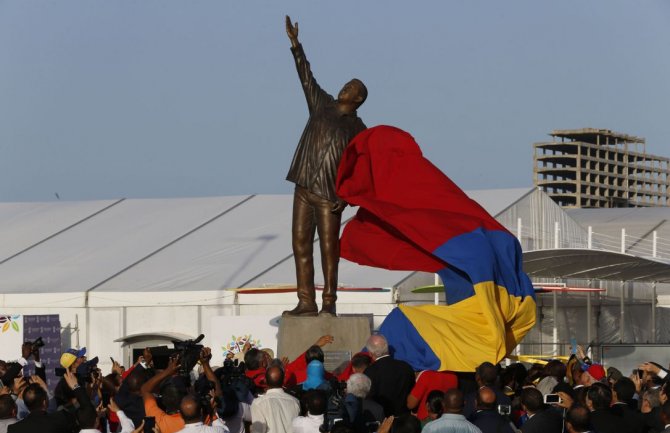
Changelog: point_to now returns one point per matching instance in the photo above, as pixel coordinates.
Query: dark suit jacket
(652, 421)
(606, 421)
(61, 421)
(633, 419)
(392, 381)
(490, 421)
(470, 401)
(545, 421)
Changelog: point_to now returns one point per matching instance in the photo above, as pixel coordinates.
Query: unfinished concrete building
(596, 168)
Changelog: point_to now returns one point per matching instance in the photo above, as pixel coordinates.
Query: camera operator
(168, 420)
(129, 396)
(11, 370)
(32, 349)
(191, 409)
(487, 417)
(235, 406)
(62, 421)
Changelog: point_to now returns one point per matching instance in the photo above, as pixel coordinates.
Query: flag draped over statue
(413, 217)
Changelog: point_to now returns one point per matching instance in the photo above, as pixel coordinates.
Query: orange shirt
(167, 423)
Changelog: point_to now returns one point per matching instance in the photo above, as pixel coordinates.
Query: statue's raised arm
(292, 32)
(313, 93)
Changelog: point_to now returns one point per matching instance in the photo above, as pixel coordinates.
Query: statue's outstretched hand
(292, 31)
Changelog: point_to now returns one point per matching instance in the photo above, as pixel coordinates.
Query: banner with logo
(230, 333)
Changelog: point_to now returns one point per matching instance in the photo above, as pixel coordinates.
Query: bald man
(392, 379)
(487, 417)
(452, 420)
(191, 411)
(274, 411)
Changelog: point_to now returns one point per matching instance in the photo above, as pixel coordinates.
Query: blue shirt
(451, 423)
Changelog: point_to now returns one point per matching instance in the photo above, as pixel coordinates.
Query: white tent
(126, 273)
(141, 270)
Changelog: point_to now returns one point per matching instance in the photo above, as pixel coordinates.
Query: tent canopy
(594, 264)
(167, 245)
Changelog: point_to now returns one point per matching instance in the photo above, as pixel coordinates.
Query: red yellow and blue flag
(413, 217)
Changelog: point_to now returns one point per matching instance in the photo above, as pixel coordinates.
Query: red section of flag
(408, 207)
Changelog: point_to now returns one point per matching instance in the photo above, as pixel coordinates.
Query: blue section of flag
(406, 344)
(457, 285)
(484, 255)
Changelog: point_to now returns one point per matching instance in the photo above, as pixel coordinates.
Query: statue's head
(354, 92)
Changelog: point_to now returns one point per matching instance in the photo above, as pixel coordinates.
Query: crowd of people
(253, 392)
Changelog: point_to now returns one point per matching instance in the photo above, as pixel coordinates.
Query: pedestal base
(296, 334)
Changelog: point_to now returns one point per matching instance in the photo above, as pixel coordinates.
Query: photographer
(191, 409)
(168, 420)
(487, 417)
(129, 396)
(11, 370)
(32, 349)
(235, 402)
(62, 421)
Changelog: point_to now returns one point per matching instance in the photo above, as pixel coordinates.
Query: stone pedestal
(296, 334)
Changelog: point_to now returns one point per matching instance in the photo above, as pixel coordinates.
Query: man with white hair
(361, 409)
(392, 379)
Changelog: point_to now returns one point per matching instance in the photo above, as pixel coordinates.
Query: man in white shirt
(274, 411)
(191, 412)
(316, 401)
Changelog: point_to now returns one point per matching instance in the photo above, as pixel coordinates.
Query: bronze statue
(331, 125)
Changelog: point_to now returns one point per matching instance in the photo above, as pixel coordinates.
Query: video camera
(189, 353)
(38, 343)
(88, 370)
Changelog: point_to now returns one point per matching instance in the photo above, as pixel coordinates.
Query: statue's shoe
(302, 310)
(328, 310)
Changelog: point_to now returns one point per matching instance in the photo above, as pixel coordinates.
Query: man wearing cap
(71, 359)
(591, 374)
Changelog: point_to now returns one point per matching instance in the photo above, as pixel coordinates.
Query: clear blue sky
(167, 98)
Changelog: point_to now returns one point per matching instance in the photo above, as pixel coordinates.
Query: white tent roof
(594, 264)
(639, 223)
(165, 245)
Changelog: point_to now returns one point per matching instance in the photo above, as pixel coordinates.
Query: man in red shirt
(256, 363)
(296, 371)
(427, 381)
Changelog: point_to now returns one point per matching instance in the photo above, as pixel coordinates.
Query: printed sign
(11, 336)
(230, 333)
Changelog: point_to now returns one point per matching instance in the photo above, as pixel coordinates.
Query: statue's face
(350, 93)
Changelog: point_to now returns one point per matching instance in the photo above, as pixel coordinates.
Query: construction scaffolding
(598, 168)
